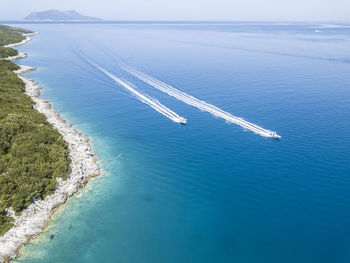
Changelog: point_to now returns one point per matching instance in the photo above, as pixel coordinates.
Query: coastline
(27, 39)
(84, 165)
(24, 41)
(20, 55)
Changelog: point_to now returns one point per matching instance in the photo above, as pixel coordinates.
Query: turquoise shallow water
(208, 191)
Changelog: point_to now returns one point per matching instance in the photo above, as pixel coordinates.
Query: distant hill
(56, 15)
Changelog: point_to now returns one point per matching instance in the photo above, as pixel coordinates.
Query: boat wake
(149, 101)
(202, 105)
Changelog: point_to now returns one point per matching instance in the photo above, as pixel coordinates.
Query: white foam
(202, 105)
(333, 26)
(149, 101)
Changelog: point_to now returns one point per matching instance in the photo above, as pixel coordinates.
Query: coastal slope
(43, 160)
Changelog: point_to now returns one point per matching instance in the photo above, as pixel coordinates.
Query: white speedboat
(274, 135)
(182, 121)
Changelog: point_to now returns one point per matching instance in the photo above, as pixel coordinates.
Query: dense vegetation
(32, 153)
(9, 35)
(7, 52)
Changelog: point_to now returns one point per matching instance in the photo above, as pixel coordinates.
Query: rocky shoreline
(20, 55)
(84, 165)
(27, 39)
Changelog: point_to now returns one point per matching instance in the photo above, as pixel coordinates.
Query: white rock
(20, 55)
(33, 219)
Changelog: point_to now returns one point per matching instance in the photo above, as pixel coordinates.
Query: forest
(33, 154)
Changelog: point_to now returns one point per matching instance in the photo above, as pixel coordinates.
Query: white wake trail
(149, 101)
(202, 105)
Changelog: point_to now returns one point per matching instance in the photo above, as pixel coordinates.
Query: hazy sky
(325, 10)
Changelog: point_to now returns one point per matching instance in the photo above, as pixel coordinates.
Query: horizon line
(176, 21)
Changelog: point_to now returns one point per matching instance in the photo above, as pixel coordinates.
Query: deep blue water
(207, 191)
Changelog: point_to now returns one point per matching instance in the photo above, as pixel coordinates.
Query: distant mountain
(56, 15)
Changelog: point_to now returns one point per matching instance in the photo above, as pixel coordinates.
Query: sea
(210, 190)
